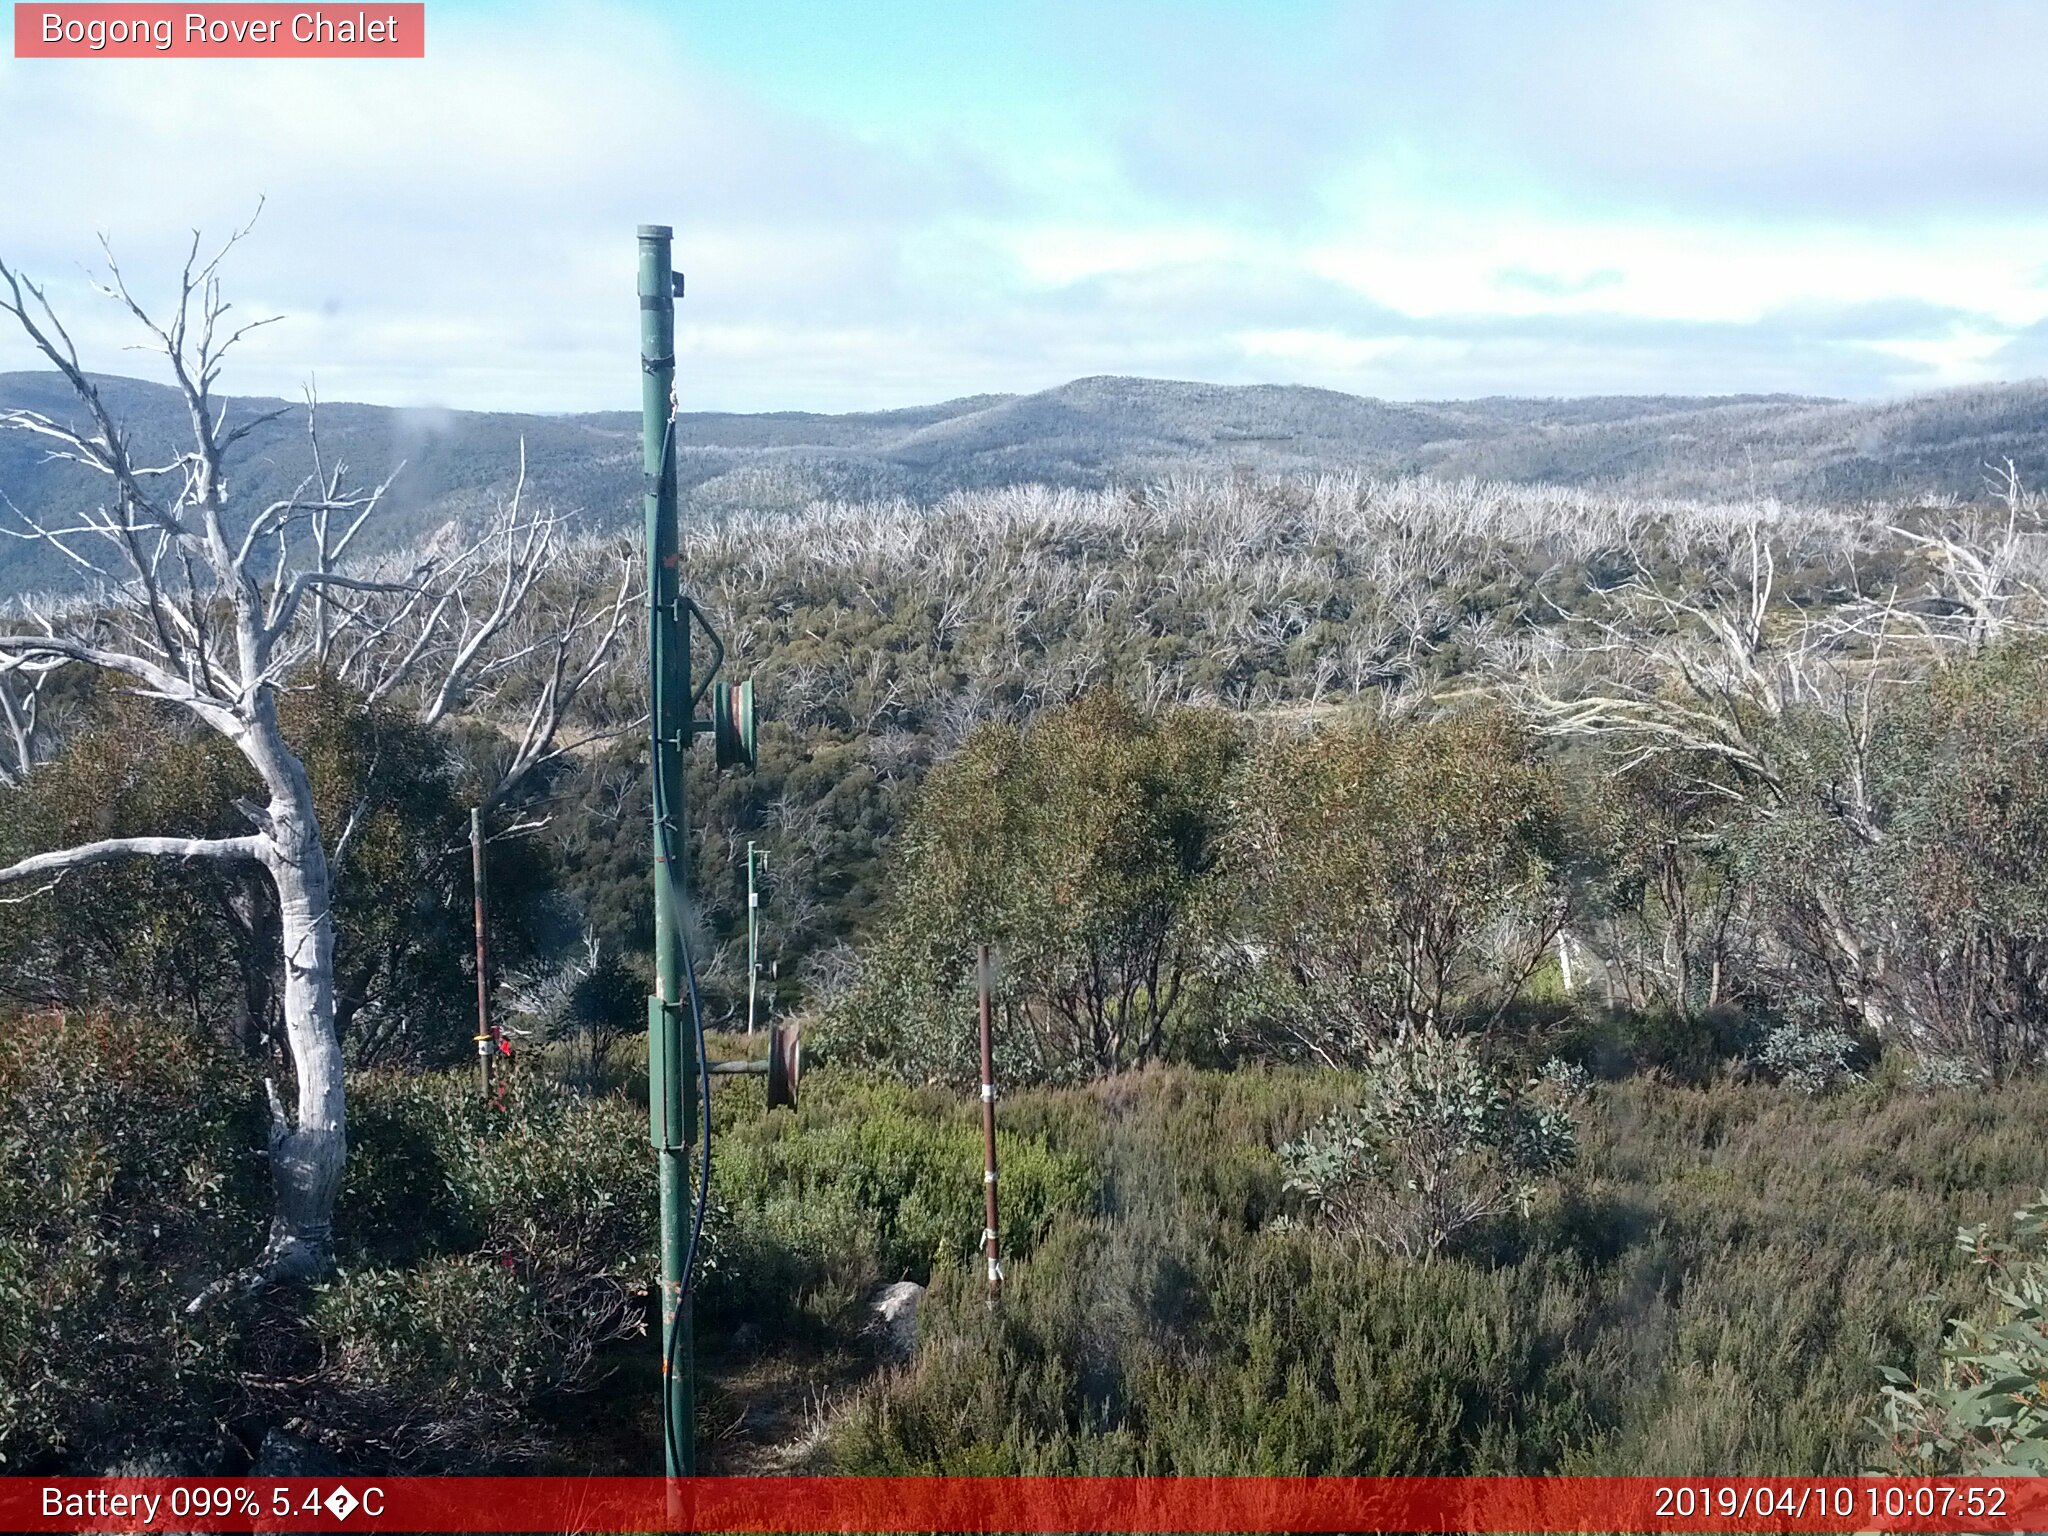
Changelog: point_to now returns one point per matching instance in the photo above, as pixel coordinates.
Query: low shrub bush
(1438, 1142)
(1986, 1412)
(128, 1178)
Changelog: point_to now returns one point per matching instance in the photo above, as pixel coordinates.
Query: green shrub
(1438, 1142)
(127, 1178)
(442, 1363)
(1711, 1288)
(1903, 878)
(1080, 846)
(1693, 1048)
(492, 1251)
(1387, 877)
(1808, 1057)
(872, 1179)
(1987, 1411)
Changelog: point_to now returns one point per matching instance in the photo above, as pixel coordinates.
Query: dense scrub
(881, 636)
(1714, 1288)
(1737, 812)
(1714, 1285)
(1226, 890)
(494, 1258)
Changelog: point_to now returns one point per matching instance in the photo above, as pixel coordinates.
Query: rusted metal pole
(486, 1043)
(988, 1132)
(753, 934)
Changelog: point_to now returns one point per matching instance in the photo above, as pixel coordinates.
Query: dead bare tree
(20, 713)
(1702, 677)
(180, 607)
(1987, 568)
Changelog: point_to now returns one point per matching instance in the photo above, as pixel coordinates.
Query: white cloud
(1439, 201)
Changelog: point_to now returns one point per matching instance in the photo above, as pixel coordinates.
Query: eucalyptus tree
(216, 608)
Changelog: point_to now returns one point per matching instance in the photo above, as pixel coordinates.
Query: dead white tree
(1700, 677)
(1987, 569)
(216, 612)
(21, 699)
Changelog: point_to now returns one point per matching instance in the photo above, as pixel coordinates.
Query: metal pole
(672, 1069)
(486, 1043)
(753, 939)
(988, 1131)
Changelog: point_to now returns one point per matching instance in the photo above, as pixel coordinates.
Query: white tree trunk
(307, 1147)
(306, 1151)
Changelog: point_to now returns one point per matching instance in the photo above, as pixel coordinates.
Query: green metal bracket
(671, 1110)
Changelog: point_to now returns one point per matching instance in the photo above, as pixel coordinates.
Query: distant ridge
(1090, 432)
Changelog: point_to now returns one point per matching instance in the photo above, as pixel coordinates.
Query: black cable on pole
(670, 853)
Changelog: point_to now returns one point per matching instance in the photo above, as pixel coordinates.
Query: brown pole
(988, 1133)
(483, 973)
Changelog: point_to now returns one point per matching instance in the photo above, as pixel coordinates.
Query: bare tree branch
(108, 850)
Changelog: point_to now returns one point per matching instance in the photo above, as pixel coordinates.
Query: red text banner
(1024, 1504)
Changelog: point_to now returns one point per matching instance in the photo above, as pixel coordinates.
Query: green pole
(671, 1062)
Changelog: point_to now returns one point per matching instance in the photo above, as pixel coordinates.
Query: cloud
(1409, 201)
(1832, 108)
(1556, 285)
(459, 230)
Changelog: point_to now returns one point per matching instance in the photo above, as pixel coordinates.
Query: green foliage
(1659, 890)
(1386, 878)
(492, 1250)
(1079, 846)
(440, 1363)
(1711, 1288)
(198, 942)
(1808, 1058)
(881, 636)
(153, 936)
(1986, 1413)
(869, 1181)
(1439, 1141)
(1905, 877)
(126, 1172)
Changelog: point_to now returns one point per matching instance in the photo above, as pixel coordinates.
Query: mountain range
(450, 464)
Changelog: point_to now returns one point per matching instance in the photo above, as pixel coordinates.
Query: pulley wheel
(785, 1065)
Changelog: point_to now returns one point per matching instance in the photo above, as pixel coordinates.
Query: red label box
(233, 31)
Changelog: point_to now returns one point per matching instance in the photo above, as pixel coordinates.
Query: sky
(886, 202)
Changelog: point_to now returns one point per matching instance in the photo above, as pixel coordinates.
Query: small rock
(284, 1454)
(894, 1309)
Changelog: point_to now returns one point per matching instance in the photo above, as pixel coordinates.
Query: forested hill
(1087, 433)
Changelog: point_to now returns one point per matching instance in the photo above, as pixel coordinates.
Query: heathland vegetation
(1491, 977)
(1654, 884)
